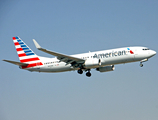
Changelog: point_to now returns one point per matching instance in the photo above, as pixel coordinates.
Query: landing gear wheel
(80, 71)
(88, 74)
(141, 65)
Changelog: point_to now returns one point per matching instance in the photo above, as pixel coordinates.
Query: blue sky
(71, 27)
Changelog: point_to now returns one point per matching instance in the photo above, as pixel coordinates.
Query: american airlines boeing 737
(102, 61)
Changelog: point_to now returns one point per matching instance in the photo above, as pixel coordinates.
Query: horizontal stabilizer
(16, 63)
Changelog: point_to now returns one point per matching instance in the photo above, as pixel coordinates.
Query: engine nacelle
(106, 68)
(92, 63)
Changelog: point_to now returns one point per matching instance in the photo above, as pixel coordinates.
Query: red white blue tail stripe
(26, 55)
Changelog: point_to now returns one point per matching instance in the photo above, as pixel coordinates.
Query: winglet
(36, 44)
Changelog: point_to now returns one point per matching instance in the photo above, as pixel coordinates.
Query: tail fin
(26, 55)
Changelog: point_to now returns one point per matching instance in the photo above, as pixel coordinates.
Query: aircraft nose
(153, 52)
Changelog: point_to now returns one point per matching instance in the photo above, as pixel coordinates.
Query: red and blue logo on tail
(26, 55)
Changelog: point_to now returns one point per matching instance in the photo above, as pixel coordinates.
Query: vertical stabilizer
(26, 55)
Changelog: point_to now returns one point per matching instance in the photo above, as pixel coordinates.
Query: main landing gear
(88, 74)
(80, 71)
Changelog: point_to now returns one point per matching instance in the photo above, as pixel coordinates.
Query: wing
(62, 57)
(16, 63)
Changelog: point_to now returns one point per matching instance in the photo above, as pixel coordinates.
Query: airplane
(102, 61)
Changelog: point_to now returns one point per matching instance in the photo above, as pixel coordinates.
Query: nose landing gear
(144, 60)
(141, 65)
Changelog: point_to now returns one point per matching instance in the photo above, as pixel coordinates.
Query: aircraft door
(136, 55)
(130, 55)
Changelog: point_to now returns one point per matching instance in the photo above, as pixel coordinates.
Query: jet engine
(92, 63)
(106, 68)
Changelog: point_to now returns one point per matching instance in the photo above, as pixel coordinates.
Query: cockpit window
(146, 49)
